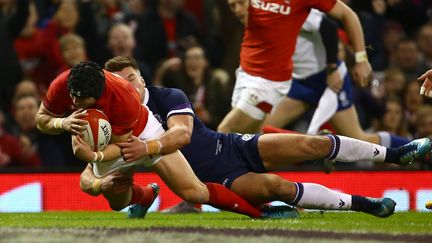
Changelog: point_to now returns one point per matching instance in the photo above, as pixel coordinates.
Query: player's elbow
(38, 121)
(86, 187)
(184, 137)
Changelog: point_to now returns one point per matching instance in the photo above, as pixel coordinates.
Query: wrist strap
(96, 157)
(96, 186)
(101, 156)
(153, 147)
(361, 56)
(58, 123)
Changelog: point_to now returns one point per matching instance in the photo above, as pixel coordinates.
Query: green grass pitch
(107, 226)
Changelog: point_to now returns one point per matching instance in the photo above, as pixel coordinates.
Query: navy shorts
(310, 90)
(238, 156)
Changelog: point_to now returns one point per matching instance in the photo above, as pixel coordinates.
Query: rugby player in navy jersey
(241, 162)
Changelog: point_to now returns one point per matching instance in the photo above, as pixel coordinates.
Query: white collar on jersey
(146, 96)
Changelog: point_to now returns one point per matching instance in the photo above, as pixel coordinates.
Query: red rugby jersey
(271, 33)
(120, 102)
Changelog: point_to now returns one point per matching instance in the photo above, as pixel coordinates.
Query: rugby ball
(98, 130)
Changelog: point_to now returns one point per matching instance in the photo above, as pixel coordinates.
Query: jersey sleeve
(313, 21)
(177, 103)
(324, 5)
(57, 99)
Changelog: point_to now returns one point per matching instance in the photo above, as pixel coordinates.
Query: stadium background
(39, 172)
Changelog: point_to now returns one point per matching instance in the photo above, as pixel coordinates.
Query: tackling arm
(110, 152)
(178, 135)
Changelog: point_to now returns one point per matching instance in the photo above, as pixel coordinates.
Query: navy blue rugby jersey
(204, 149)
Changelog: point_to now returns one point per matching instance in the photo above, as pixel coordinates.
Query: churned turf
(213, 227)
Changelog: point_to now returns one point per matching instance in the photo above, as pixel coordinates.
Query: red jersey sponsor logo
(272, 7)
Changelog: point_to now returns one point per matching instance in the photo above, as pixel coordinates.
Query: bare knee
(280, 189)
(316, 145)
(196, 194)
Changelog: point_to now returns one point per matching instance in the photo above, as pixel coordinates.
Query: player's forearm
(353, 29)
(111, 152)
(49, 124)
(175, 138)
(87, 180)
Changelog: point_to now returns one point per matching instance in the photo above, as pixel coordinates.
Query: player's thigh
(285, 112)
(346, 123)
(253, 97)
(262, 188)
(175, 171)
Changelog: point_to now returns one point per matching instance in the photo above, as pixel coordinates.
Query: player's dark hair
(118, 63)
(86, 79)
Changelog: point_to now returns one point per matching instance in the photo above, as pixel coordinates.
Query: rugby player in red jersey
(87, 85)
(264, 75)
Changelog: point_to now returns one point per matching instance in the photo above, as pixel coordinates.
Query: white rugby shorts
(257, 96)
(153, 129)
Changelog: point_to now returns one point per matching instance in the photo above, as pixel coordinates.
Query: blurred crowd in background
(192, 45)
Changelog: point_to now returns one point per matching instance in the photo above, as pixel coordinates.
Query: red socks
(223, 198)
(142, 195)
(219, 197)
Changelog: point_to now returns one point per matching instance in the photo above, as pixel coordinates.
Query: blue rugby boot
(384, 207)
(279, 212)
(416, 150)
(140, 211)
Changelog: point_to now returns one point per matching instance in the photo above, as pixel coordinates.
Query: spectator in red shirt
(39, 49)
(14, 151)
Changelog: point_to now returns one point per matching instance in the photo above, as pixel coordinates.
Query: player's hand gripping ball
(98, 130)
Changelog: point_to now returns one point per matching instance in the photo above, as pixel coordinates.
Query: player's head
(240, 9)
(86, 82)
(128, 69)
